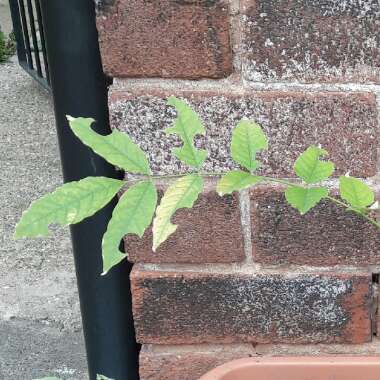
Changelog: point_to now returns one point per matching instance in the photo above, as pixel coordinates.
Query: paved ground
(5, 20)
(40, 331)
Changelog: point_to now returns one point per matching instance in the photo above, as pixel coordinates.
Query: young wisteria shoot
(138, 206)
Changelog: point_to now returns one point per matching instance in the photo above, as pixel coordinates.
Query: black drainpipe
(79, 88)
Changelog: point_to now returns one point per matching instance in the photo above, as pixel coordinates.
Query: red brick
(186, 364)
(311, 41)
(372, 348)
(327, 235)
(346, 124)
(376, 307)
(165, 38)
(193, 307)
(210, 232)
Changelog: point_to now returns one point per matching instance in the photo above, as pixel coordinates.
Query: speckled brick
(343, 123)
(165, 38)
(311, 40)
(178, 363)
(327, 235)
(193, 307)
(210, 232)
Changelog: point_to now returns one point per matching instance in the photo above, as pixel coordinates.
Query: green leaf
(247, 139)
(304, 199)
(187, 126)
(117, 148)
(48, 378)
(181, 194)
(102, 377)
(356, 192)
(69, 204)
(132, 215)
(310, 168)
(235, 180)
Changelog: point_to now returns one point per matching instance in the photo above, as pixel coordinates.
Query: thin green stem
(281, 181)
(168, 176)
(267, 179)
(361, 213)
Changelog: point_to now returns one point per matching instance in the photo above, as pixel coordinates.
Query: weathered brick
(376, 306)
(210, 232)
(165, 38)
(311, 41)
(326, 235)
(186, 363)
(370, 348)
(343, 123)
(193, 307)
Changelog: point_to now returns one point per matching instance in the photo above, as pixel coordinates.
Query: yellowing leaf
(356, 192)
(187, 126)
(132, 215)
(235, 180)
(304, 199)
(310, 168)
(247, 139)
(117, 148)
(181, 194)
(69, 204)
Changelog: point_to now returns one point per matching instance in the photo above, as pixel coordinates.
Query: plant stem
(165, 176)
(267, 179)
(281, 182)
(361, 213)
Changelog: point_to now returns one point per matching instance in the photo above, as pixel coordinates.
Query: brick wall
(246, 275)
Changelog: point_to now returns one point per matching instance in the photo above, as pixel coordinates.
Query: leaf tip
(171, 101)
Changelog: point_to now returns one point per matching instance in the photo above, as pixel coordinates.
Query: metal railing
(30, 37)
(79, 88)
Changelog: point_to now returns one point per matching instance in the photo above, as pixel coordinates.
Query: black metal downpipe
(79, 89)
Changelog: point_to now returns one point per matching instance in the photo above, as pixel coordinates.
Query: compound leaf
(356, 192)
(187, 126)
(310, 168)
(132, 215)
(69, 204)
(235, 180)
(117, 148)
(304, 199)
(181, 194)
(247, 139)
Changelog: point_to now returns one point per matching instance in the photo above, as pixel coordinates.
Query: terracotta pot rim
(291, 361)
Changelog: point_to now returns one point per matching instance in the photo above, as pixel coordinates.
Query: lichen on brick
(345, 124)
(311, 41)
(222, 308)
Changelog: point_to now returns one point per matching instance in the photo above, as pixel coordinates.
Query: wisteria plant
(138, 206)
